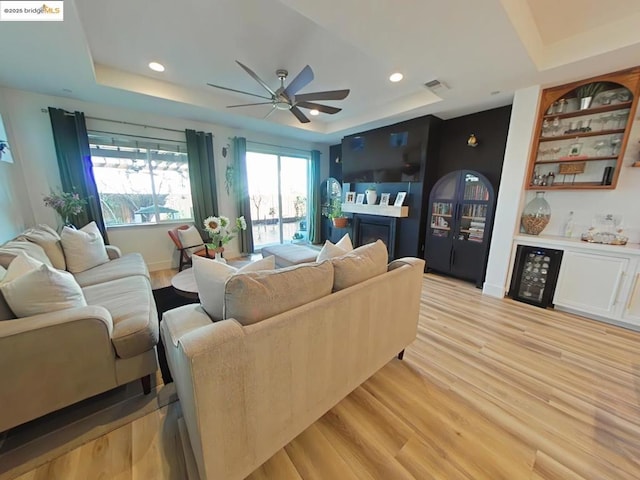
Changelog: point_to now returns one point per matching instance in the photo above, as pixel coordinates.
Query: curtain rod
(44, 110)
(118, 134)
(277, 146)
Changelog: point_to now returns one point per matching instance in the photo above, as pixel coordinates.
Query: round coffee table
(184, 283)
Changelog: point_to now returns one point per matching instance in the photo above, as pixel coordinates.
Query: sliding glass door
(278, 189)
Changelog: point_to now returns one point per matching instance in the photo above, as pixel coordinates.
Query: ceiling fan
(285, 98)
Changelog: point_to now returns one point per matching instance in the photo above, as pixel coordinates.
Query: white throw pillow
(9, 250)
(84, 248)
(3, 272)
(49, 240)
(211, 276)
(190, 239)
(330, 250)
(31, 287)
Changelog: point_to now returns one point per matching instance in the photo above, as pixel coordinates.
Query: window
(278, 189)
(140, 182)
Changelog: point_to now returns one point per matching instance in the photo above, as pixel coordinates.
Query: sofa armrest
(113, 252)
(60, 317)
(411, 261)
(52, 360)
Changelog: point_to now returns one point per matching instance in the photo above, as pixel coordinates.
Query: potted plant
(586, 93)
(371, 194)
(335, 213)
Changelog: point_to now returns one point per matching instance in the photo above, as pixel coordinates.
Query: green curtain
(242, 192)
(202, 176)
(74, 162)
(313, 205)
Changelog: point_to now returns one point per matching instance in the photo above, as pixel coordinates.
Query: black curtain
(74, 162)
(202, 176)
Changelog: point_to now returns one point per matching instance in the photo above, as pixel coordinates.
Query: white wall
(34, 153)
(15, 207)
(510, 196)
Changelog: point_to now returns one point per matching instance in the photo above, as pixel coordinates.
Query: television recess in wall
(382, 156)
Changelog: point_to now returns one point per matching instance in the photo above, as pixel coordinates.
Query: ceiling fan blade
(317, 106)
(299, 115)
(301, 81)
(270, 112)
(249, 104)
(257, 78)
(330, 95)
(238, 91)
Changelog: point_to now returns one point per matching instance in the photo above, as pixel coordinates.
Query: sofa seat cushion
(131, 264)
(253, 296)
(290, 254)
(133, 311)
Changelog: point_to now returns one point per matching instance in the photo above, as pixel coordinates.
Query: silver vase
(585, 103)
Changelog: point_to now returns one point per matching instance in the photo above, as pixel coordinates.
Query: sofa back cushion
(49, 240)
(254, 296)
(11, 249)
(31, 287)
(211, 276)
(359, 265)
(5, 311)
(84, 248)
(329, 250)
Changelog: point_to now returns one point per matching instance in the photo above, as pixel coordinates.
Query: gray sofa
(52, 360)
(294, 343)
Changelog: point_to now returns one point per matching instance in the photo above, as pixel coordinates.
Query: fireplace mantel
(380, 210)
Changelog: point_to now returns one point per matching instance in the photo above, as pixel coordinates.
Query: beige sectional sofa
(53, 359)
(294, 343)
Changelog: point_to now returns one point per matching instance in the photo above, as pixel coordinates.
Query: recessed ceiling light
(314, 112)
(156, 67)
(396, 77)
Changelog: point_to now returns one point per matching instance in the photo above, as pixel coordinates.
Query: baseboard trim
(497, 291)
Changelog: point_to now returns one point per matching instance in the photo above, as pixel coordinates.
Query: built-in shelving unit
(591, 135)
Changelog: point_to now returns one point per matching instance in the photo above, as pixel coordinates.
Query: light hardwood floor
(491, 389)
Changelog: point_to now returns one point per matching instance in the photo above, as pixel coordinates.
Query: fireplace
(369, 228)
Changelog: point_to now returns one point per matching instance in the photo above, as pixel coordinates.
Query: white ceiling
(101, 51)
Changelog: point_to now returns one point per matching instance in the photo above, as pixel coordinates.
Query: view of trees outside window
(140, 182)
(278, 189)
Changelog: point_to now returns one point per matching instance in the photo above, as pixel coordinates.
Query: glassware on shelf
(555, 126)
(599, 146)
(560, 105)
(536, 215)
(620, 118)
(615, 142)
(543, 152)
(555, 151)
(606, 118)
(545, 127)
(624, 95)
(605, 98)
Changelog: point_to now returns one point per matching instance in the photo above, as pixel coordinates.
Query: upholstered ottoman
(290, 254)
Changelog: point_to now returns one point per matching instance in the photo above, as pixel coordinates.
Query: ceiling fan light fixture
(396, 77)
(156, 67)
(314, 112)
(282, 105)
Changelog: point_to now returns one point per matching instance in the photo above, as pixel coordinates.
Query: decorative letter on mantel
(380, 210)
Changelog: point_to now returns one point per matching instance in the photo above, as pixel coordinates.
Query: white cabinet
(591, 283)
(631, 312)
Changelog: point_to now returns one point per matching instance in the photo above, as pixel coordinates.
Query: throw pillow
(329, 250)
(211, 276)
(10, 250)
(31, 288)
(5, 311)
(190, 239)
(49, 240)
(359, 265)
(255, 296)
(84, 248)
